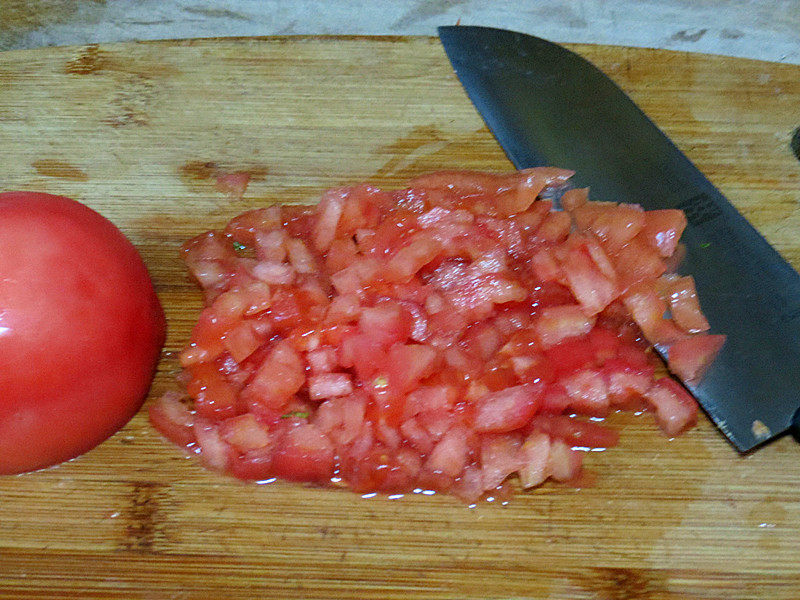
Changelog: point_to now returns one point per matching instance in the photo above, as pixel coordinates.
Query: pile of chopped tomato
(444, 337)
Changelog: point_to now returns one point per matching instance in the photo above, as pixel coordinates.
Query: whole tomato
(81, 330)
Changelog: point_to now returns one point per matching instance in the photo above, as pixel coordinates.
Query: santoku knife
(548, 106)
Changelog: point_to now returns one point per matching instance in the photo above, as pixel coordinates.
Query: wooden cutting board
(137, 131)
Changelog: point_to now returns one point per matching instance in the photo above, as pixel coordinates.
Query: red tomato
(81, 330)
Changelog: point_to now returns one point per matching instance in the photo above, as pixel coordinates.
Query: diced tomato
(361, 210)
(253, 465)
(387, 434)
(340, 254)
(637, 262)
(322, 360)
(618, 225)
(627, 383)
(285, 310)
(421, 250)
(242, 340)
(575, 432)
(554, 227)
(386, 322)
(419, 320)
(298, 220)
(529, 220)
(572, 199)
(329, 385)
(545, 267)
(675, 408)
(359, 273)
(555, 400)
(604, 342)
(504, 232)
(550, 293)
(244, 433)
(646, 308)
(591, 288)
(208, 339)
(243, 229)
(483, 340)
(563, 463)
(634, 354)
(234, 183)
(270, 245)
(341, 419)
(280, 376)
(214, 275)
(343, 309)
(214, 452)
(419, 437)
(365, 354)
(462, 361)
(532, 368)
(303, 453)
(571, 355)
(450, 454)
(585, 213)
(557, 323)
(469, 486)
(663, 229)
(368, 467)
(534, 457)
(437, 422)
(472, 183)
(408, 364)
(390, 235)
(600, 257)
(274, 273)
(588, 392)
(685, 306)
(404, 471)
(534, 181)
(173, 419)
(500, 456)
(214, 397)
(443, 336)
(300, 257)
(256, 297)
(430, 398)
(690, 357)
(329, 210)
(508, 409)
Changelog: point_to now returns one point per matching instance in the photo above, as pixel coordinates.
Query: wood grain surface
(137, 130)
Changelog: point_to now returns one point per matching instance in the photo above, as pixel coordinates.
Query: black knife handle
(795, 426)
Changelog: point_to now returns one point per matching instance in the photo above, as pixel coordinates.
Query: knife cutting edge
(547, 105)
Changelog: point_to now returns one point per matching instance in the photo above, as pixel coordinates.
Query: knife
(547, 105)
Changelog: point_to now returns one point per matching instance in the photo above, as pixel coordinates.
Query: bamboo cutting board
(138, 130)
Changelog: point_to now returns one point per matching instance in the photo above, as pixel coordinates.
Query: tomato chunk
(675, 409)
(508, 409)
(303, 453)
(690, 357)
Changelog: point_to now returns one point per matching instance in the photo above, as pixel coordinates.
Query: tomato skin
(81, 330)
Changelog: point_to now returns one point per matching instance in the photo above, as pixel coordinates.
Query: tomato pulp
(81, 329)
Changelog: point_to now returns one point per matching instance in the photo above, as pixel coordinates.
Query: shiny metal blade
(549, 106)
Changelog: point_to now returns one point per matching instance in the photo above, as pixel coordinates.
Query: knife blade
(547, 105)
